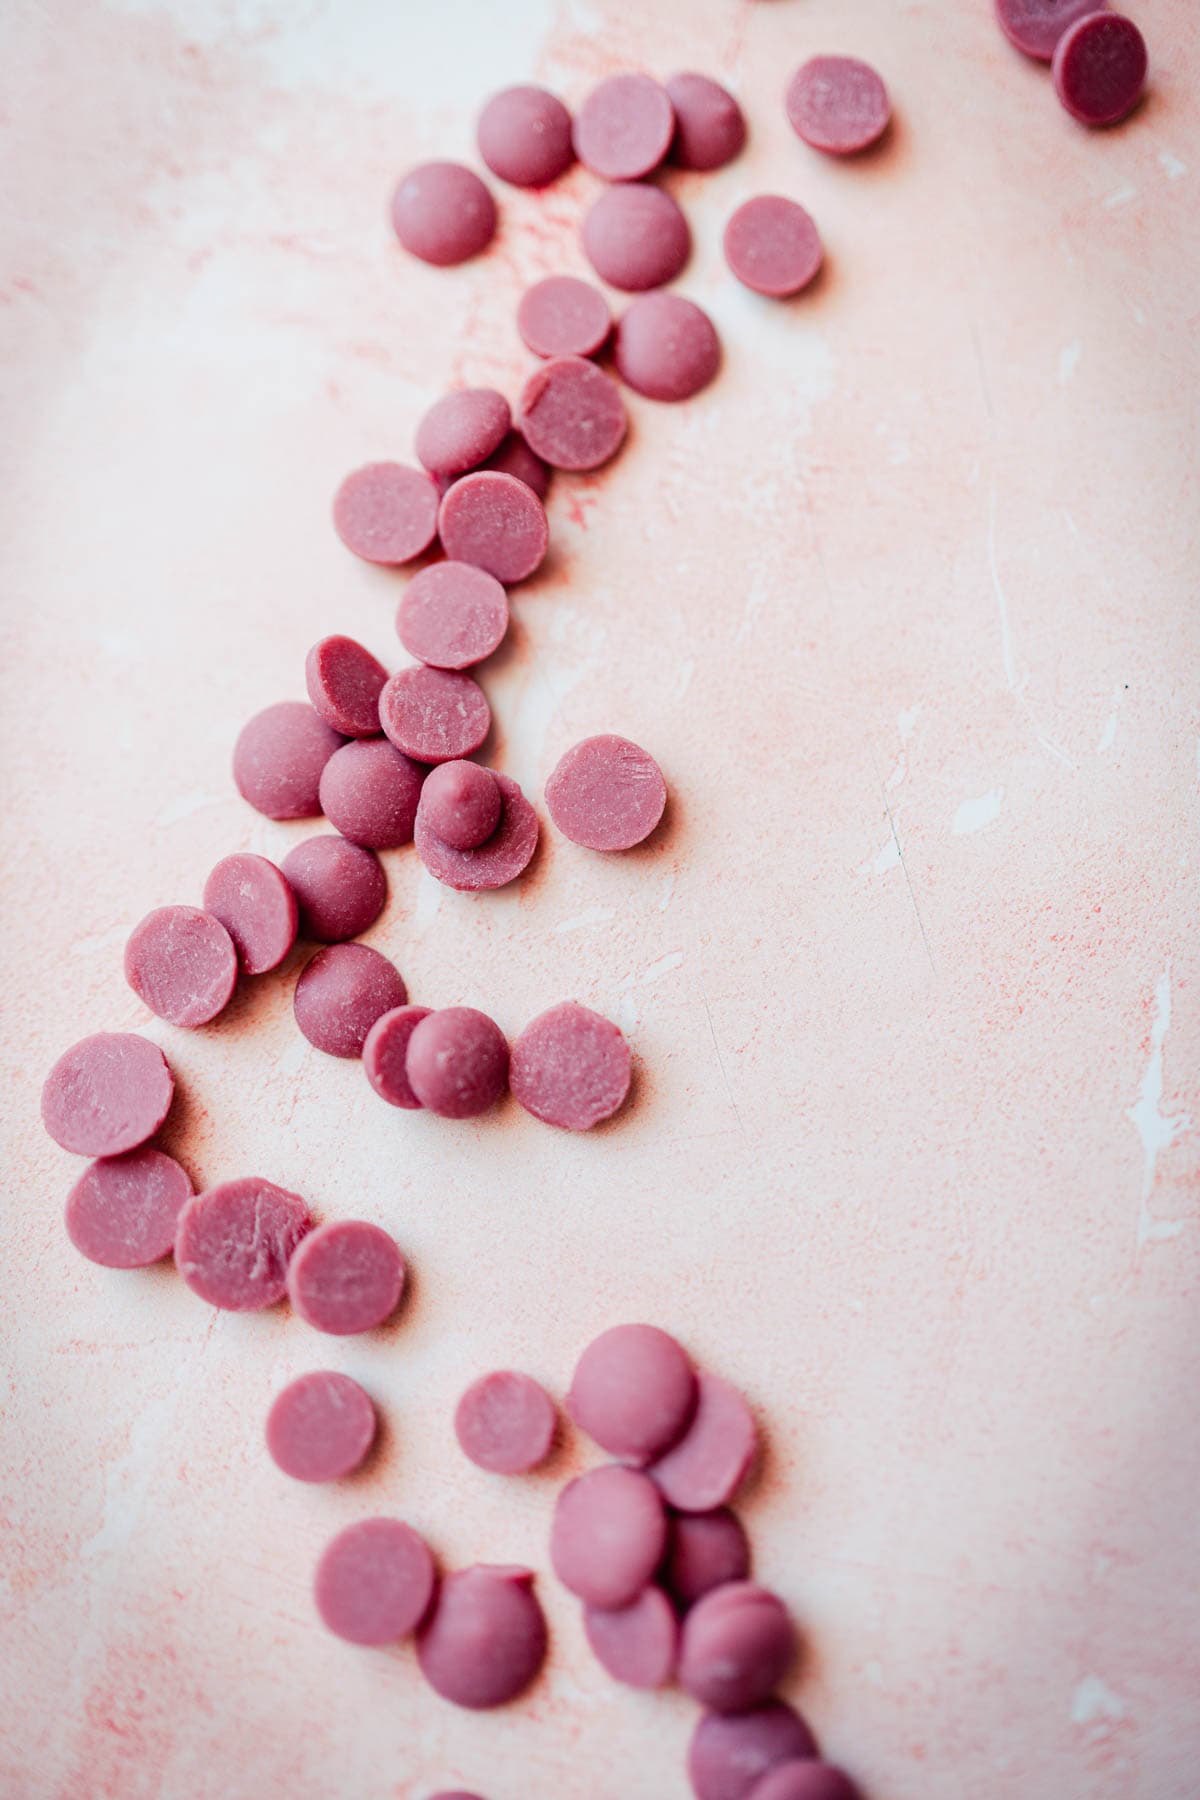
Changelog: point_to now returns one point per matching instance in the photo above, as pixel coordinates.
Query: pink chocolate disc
(486, 1638)
(572, 413)
(320, 1427)
(633, 1391)
(461, 804)
(1100, 68)
(624, 127)
(255, 903)
(435, 715)
(666, 347)
(123, 1210)
(374, 1582)
(608, 1535)
(461, 430)
(370, 790)
(452, 615)
(457, 1062)
(107, 1094)
(606, 794)
(340, 888)
(729, 1752)
(1035, 26)
(344, 682)
(443, 213)
(278, 758)
(710, 1461)
(737, 1645)
(346, 1277)
(233, 1243)
(637, 1643)
(807, 1780)
(386, 512)
(498, 860)
(496, 522)
(837, 104)
(182, 964)
(772, 246)
(571, 1067)
(385, 1054)
(524, 136)
(341, 993)
(514, 457)
(562, 316)
(706, 1550)
(636, 237)
(709, 127)
(505, 1423)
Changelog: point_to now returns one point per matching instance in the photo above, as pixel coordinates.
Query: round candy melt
(341, 993)
(636, 237)
(123, 1210)
(443, 213)
(637, 1643)
(346, 1277)
(710, 1461)
(385, 1054)
(608, 1535)
(606, 794)
(571, 1067)
(435, 715)
(278, 758)
(562, 316)
(666, 347)
(498, 860)
(233, 1242)
(729, 1752)
(1100, 68)
(386, 512)
(320, 1427)
(709, 127)
(107, 1094)
(1035, 26)
(624, 127)
(772, 246)
(344, 682)
(505, 1423)
(572, 414)
(370, 790)
(374, 1582)
(452, 615)
(633, 1391)
(486, 1638)
(736, 1647)
(837, 104)
(706, 1550)
(182, 964)
(340, 888)
(461, 804)
(807, 1780)
(496, 521)
(514, 457)
(524, 136)
(457, 1062)
(255, 903)
(461, 430)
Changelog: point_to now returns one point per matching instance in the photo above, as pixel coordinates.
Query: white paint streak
(1156, 1129)
(1109, 735)
(187, 805)
(906, 722)
(668, 891)
(683, 678)
(429, 899)
(755, 599)
(1172, 166)
(975, 815)
(1093, 1700)
(100, 941)
(885, 859)
(1120, 196)
(897, 775)
(1068, 361)
(595, 915)
(1016, 686)
(663, 966)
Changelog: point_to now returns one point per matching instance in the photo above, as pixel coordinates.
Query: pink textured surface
(912, 1158)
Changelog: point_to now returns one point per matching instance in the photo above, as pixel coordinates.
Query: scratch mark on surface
(1156, 1129)
(1109, 735)
(887, 807)
(712, 1032)
(1016, 686)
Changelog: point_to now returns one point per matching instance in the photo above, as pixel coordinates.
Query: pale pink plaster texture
(905, 605)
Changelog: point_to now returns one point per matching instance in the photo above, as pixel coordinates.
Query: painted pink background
(906, 605)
